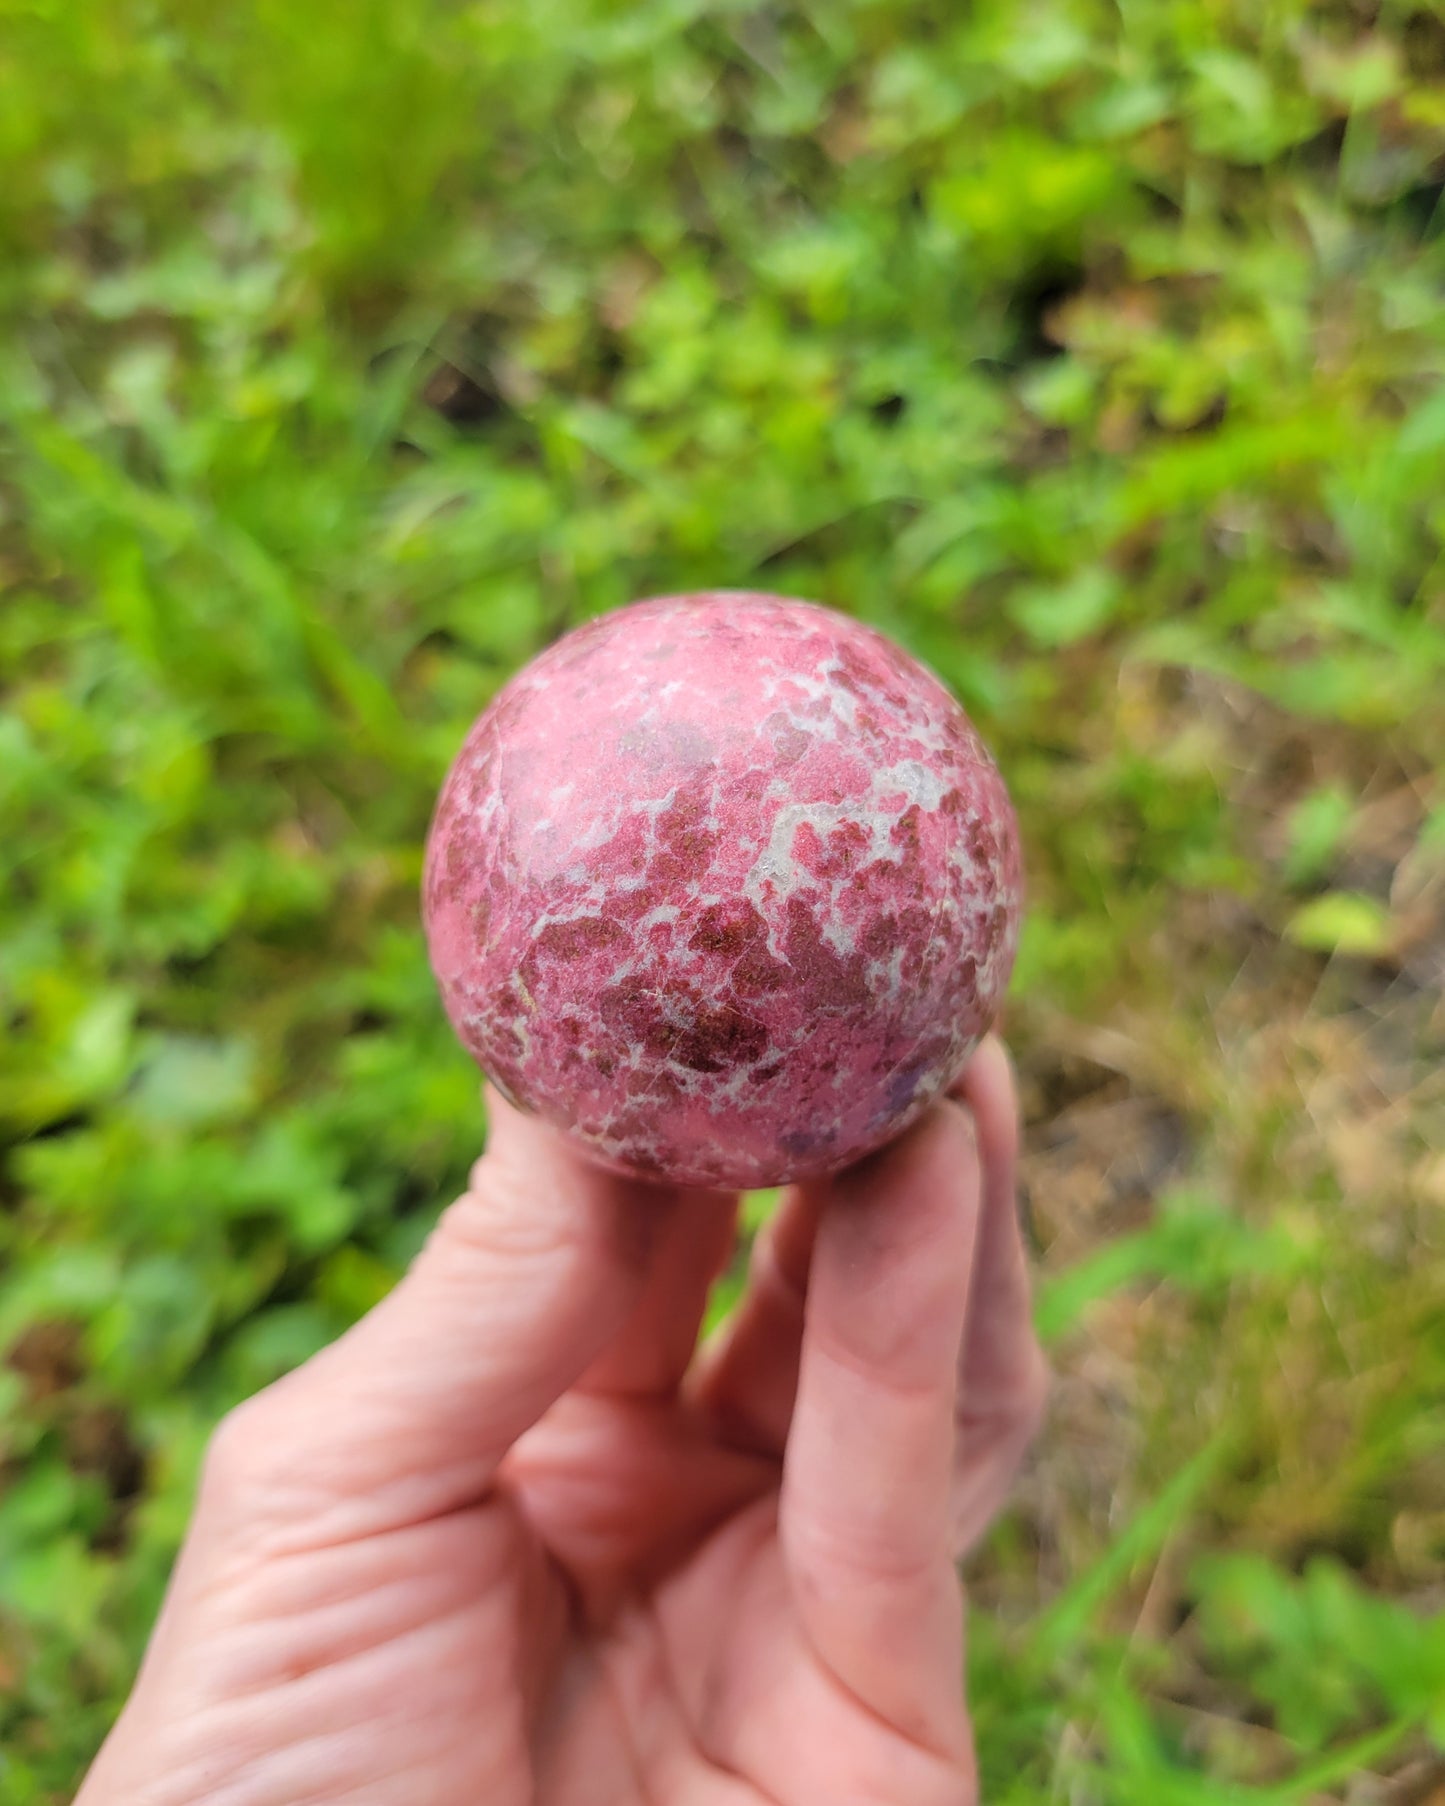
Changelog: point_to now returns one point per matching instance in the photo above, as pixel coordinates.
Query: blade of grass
(1064, 1624)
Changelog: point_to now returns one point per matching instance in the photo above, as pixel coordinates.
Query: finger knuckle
(1009, 1413)
(244, 1450)
(831, 1548)
(1037, 1387)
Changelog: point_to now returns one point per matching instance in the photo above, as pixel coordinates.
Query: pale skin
(515, 1540)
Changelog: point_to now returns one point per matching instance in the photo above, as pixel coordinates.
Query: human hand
(510, 1541)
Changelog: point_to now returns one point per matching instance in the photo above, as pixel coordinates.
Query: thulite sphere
(726, 886)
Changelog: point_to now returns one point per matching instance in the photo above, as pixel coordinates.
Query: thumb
(524, 1281)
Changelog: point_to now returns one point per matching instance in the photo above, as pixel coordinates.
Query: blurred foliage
(1090, 347)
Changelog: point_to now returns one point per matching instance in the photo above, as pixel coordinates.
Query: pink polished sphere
(724, 885)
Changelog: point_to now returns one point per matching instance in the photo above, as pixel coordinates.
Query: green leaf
(1342, 922)
(57, 1586)
(1192, 1244)
(190, 1081)
(1070, 611)
(1317, 826)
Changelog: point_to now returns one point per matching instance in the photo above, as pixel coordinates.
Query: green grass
(1094, 350)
